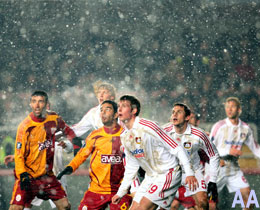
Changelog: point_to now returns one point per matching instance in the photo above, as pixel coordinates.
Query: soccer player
(229, 136)
(62, 145)
(193, 139)
(147, 145)
(91, 120)
(34, 152)
(106, 163)
(194, 119)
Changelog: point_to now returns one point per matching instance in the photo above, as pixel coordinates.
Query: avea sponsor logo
(138, 153)
(45, 144)
(111, 159)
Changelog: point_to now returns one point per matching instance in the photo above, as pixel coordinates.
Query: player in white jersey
(148, 146)
(229, 136)
(91, 120)
(194, 139)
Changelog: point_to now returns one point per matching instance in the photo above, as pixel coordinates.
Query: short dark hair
(114, 104)
(135, 103)
(196, 115)
(41, 93)
(186, 108)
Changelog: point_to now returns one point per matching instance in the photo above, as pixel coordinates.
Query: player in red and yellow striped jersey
(35, 145)
(106, 162)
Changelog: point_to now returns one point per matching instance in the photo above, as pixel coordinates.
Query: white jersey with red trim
(91, 121)
(192, 140)
(225, 135)
(147, 145)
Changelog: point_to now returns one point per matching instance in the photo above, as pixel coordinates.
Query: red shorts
(96, 201)
(186, 202)
(45, 187)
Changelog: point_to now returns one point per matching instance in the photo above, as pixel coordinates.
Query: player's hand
(8, 159)
(116, 199)
(68, 170)
(25, 181)
(222, 163)
(192, 182)
(62, 144)
(212, 191)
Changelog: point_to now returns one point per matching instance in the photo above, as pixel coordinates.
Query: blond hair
(100, 84)
(235, 99)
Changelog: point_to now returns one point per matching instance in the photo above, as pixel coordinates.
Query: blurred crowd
(159, 54)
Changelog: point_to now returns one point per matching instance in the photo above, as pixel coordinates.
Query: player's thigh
(62, 203)
(147, 204)
(16, 207)
(175, 204)
(200, 198)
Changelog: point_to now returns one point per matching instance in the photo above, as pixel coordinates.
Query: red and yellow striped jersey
(35, 143)
(106, 163)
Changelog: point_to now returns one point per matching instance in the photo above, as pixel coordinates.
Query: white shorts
(233, 183)
(135, 185)
(202, 184)
(160, 189)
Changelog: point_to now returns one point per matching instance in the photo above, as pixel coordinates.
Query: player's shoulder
(244, 124)
(168, 126)
(149, 126)
(147, 123)
(50, 112)
(220, 123)
(95, 133)
(91, 112)
(198, 131)
(25, 123)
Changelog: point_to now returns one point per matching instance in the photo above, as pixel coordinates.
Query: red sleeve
(62, 126)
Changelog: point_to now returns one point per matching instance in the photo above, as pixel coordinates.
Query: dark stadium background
(162, 51)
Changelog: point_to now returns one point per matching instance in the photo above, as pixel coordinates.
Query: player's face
(107, 114)
(125, 111)
(38, 105)
(178, 116)
(232, 110)
(193, 120)
(103, 95)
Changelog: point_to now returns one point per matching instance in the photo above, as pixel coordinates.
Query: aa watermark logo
(238, 200)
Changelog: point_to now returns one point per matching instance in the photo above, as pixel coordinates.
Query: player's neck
(180, 129)
(129, 123)
(234, 121)
(114, 128)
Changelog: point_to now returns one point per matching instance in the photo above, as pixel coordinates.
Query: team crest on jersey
(84, 207)
(138, 140)
(18, 145)
(18, 197)
(243, 135)
(187, 145)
